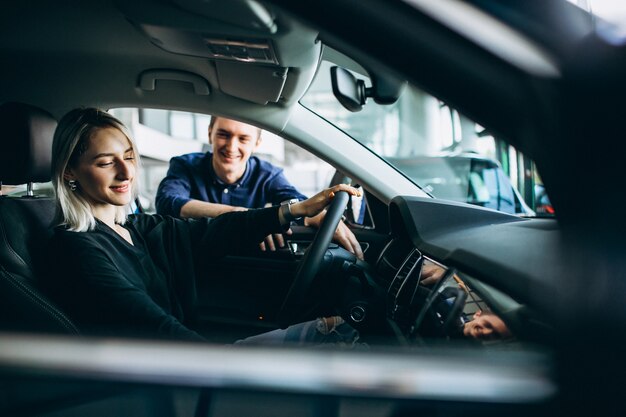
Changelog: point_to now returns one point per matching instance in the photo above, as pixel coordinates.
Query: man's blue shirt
(191, 177)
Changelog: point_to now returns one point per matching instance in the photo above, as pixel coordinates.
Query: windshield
(445, 153)
(610, 18)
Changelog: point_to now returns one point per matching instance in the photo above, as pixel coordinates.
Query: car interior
(25, 222)
(462, 308)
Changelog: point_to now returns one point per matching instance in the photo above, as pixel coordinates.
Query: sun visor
(257, 83)
(243, 41)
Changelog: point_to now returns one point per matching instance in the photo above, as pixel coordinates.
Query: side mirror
(350, 92)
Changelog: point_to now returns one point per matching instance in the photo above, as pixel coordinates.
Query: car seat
(25, 158)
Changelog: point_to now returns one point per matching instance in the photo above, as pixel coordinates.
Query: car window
(21, 190)
(163, 134)
(445, 153)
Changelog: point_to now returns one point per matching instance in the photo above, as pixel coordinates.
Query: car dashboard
(427, 301)
(435, 293)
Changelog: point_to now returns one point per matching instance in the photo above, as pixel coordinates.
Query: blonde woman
(135, 275)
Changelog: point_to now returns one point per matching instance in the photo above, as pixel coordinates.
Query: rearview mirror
(352, 92)
(386, 90)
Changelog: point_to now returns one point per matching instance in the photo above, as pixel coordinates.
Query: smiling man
(226, 179)
(230, 178)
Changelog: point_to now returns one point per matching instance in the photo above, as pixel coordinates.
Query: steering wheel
(311, 262)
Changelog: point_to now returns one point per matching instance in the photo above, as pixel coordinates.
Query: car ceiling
(97, 53)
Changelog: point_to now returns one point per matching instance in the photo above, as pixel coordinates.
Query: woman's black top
(110, 287)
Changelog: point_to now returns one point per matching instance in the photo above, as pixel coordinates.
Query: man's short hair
(214, 118)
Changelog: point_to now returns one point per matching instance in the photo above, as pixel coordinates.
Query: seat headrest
(25, 143)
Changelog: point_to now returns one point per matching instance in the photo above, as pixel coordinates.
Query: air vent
(403, 273)
(258, 51)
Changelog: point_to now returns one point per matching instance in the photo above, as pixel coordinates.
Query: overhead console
(241, 13)
(255, 57)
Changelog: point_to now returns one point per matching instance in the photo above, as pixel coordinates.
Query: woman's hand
(317, 203)
(343, 235)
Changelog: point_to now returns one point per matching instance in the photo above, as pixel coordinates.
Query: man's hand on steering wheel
(314, 205)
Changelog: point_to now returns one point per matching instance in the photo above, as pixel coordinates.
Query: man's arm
(280, 190)
(194, 209)
(174, 195)
(175, 189)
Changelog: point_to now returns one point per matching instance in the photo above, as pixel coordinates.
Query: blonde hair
(71, 140)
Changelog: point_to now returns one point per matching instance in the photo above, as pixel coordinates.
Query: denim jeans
(310, 333)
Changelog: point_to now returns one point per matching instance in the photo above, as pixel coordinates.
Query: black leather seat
(25, 153)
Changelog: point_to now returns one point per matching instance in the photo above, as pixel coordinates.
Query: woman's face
(106, 171)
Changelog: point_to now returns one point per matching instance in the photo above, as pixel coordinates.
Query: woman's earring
(72, 185)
